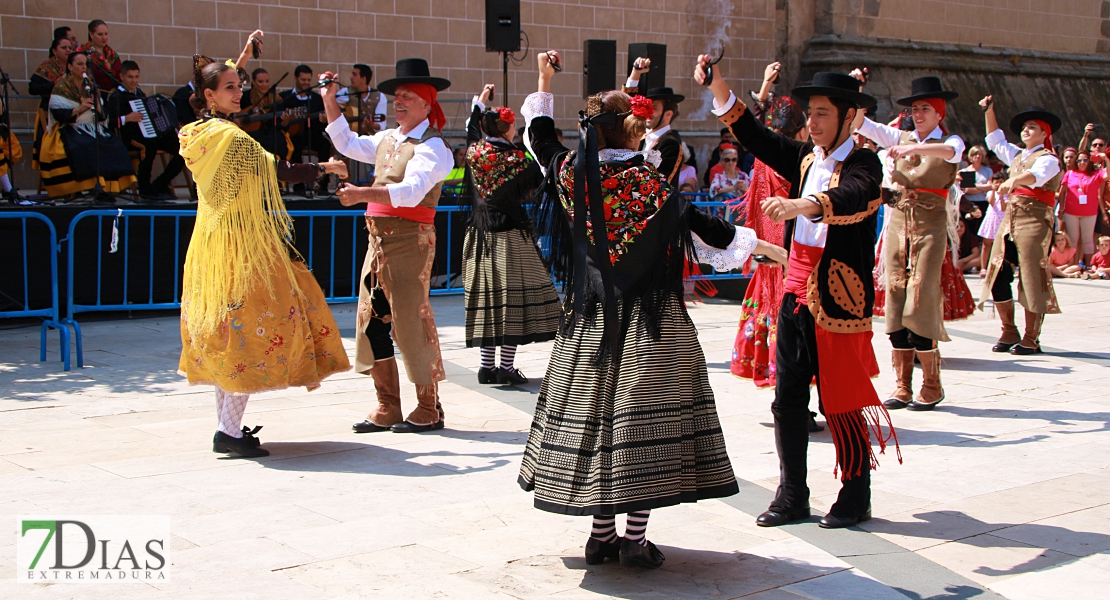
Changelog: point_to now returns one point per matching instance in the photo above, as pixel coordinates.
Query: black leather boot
(791, 501)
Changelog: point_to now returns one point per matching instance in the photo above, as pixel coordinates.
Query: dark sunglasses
(728, 160)
(1079, 160)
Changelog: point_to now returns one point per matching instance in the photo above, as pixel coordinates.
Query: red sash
(803, 260)
(1045, 196)
(942, 192)
(420, 214)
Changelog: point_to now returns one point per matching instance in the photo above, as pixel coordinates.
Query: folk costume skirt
(67, 158)
(269, 342)
(509, 296)
(635, 436)
(753, 352)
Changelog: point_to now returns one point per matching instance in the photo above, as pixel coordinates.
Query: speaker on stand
(657, 76)
(599, 66)
(503, 35)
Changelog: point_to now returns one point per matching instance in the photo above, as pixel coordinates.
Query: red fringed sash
(846, 365)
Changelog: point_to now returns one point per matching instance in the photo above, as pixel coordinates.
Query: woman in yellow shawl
(252, 319)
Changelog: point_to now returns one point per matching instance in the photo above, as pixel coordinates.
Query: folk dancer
(412, 161)
(824, 323)
(509, 297)
(1024, 237)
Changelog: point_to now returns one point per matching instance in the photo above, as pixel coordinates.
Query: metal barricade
(51, 313)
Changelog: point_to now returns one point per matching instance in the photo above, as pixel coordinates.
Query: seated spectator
(969, 258)
(714, 166)
(731, 182)
(75, 146)
(125, 123)
(688, 179)
(1063, 261)
(1100, 262)
(455, 185)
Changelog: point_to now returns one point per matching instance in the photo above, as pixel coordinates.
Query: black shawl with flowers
(502, 177)
(648, 226)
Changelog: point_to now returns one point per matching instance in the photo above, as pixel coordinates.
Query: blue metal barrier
(51, 313)
(134, 284)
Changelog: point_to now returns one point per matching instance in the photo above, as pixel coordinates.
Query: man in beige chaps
(411, 164)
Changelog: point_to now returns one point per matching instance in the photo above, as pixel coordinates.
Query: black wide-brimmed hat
(835, 85)
(1034, 113)
(924, 88)
(412, 70)
(664, 94)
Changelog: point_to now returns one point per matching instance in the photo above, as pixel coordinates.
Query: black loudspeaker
(502, 25)
(657, 76)
(599, 66)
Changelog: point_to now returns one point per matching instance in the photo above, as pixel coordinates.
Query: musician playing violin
(124, 121)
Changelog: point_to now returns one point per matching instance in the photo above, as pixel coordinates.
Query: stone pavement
(1004, 490)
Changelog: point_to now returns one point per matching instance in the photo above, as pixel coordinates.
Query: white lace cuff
(538, 104)
(476, 102)
(727, 259)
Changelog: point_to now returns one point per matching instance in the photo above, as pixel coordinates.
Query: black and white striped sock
(605, 528)
(489, 354)
(636, 527)
(508, 355)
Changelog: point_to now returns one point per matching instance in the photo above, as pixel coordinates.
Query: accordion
(159, 115)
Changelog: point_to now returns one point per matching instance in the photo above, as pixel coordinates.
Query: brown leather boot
(1030, 343)
(387, 384)
(931, 391)
(428, 414)
(903, 373)
(1010, 335)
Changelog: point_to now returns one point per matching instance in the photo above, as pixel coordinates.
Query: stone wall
(162, 35)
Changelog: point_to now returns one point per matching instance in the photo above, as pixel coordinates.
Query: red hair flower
(507, 115)
(641, 107)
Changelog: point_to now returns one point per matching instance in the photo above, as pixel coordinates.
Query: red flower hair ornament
(641, 107)
(507, 115)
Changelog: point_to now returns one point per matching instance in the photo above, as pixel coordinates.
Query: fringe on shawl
(242, 235)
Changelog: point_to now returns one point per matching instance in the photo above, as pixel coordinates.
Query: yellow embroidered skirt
(57, 171)
(266, 343)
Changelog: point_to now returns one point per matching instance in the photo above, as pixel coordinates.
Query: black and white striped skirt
(509, 296)
(637, 436)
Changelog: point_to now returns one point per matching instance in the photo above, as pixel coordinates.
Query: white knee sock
(230, 408)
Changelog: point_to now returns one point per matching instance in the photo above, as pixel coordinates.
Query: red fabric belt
(803, 260)
(1045, 196)
(942, 192)
(420, 214)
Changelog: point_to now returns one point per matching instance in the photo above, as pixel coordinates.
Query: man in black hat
(411, 163)
(824, 323)
(1025, 234)
(926, 161)
(660, 137)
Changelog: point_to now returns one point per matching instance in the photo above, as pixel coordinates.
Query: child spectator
(1100, 262)
(991, 220)
(1063, 261)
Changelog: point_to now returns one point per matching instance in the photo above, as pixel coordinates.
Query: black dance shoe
(1002, 347)
(246, 446)
(895, 404)
(831, 521)
(511, 377)
(1019, 350)
(368, 426)
(597, 551)
(923, 406)
(486, 376)
(813, 426)
(633, 554)
(406, 427)
(776, 515)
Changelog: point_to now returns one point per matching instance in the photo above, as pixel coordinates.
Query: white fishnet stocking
(230, 408)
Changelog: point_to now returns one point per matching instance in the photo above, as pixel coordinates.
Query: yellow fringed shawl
(241, 238)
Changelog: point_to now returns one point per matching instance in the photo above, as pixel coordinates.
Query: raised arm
(538, 109)
(245, 55)
(640, 66)
(778, 151)
(473, 124)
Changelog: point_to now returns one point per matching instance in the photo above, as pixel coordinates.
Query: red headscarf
(942, 109)
(1047, 135)
(428, 94)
